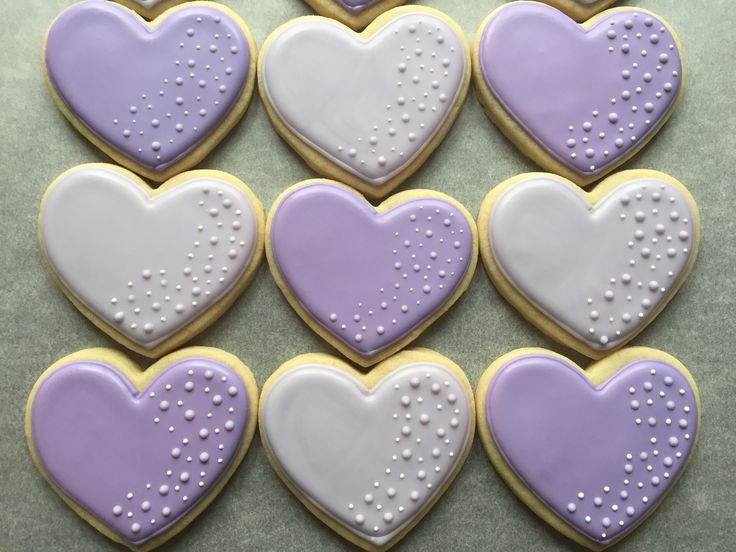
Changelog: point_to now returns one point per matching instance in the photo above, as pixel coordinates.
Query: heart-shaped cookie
(579, 100)
(591, 270)
(368, 454)
(580, 9)
(353, 13)
(156, 97)
(139, 455)
(151, 268)
(366, 109)
(592, 452)
(150, 8)
(369, 280)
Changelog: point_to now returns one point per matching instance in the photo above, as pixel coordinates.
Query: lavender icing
(369, 278)
(600, 457)
(588, 96)
(139, 461)
(152, 95)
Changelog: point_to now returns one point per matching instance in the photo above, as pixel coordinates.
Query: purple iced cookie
(156, 97)
(598, 449)
(354, 13)
(578, 99)
(138, 454)
(369, 280)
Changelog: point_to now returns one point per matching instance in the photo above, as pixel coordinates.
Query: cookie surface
(156, 97)
(592, 452)
(408, 76)
(150, 8)
(152, 268)
(138, 454)
(591, 270)
(580, 10)
(579, 100)
(369, 280)
(368, 454)
(353, 13)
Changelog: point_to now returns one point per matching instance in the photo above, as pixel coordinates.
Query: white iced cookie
(365, 109)
(151, 268)
(368, 454)
(591, 270)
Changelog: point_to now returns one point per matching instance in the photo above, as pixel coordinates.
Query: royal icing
(588, 97)
(152, 95)
(600, 457)
(601, 271)
(403, 82)
(373, 460)
(148, 3)
(356, 6)
(366, 277)
(139, 461)
(146, 265)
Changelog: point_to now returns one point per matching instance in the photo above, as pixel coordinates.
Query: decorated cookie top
(598, 267)
(407, 74)
(390, 448)
(356, 6)
(370, 279)
(580, 9)
(151, 94)
(148, 264)
(589, 96)
(599, 456)
(138, 460)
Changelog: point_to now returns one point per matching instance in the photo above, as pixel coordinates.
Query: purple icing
(153, 95)
(589, 453)
(369, 278)
(356, 6)
(588, 97)
(99, 439)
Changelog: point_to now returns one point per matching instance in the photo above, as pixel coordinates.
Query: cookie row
(140, 454)
(579, 100)
(359, 13)
(153, 268)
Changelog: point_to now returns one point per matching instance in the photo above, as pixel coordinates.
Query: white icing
(605, 267)
(148, 3)
(108, 241)
(369, 106)
(335, 440)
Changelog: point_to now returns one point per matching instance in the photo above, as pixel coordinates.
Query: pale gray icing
(369, 106)
(148, 3)
(372, 460)
(147, 266)
(598, 271)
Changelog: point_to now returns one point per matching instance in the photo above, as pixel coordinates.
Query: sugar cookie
(139, 455)
(579, 100)
(151, 268)
(156, 97)
(589, 269)
(369, 455)
(353, 13)
(150, 9)
(592, 452)
(369, 280)
(365, 109)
